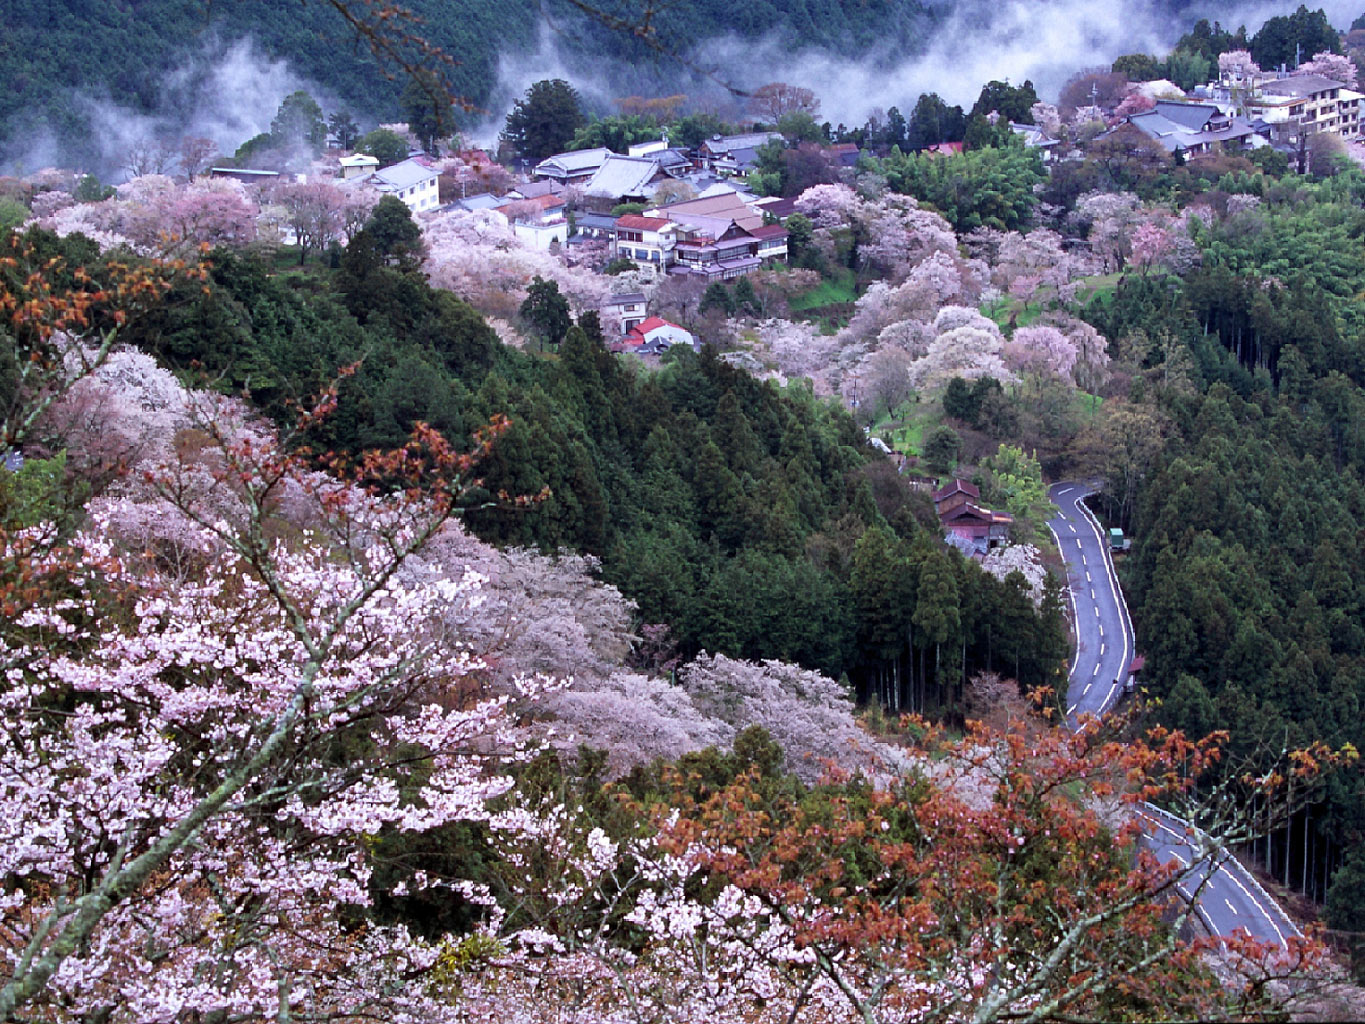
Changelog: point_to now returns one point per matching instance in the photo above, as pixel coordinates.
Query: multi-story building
(1307, 104)
(718, 237)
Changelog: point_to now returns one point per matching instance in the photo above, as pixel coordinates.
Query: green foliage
(544, 122)
(621, 209)
(1208, 41)
(396, 236)
(801, 248)
(254, 150)
(1188, 70)
(342, 129)
(941, 448)
(546, 311)
(694, 129)
(428, 109)
(800, 126)
(933, 121)
(12, 214)
(385, 146)
(299, 122)
(1137, 67)
(982, 188)
(89, 190)
(55, 53)
(1012, 103)
(1345, 910)
(1014, 482)
(723, 506)
(1288, 38)
(718, 297)
(39, 492)
(616, 132)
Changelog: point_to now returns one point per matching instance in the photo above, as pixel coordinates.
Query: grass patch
(905, 429)
(1008, 311)
(1089, 404)
(829, 292)
(1101, 287)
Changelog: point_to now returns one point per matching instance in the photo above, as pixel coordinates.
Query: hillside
(65, 65)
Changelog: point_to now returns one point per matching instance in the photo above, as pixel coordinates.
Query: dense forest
(752, 521)
(361, 585)
(55, 58)
(1245, 577)
(60, 61)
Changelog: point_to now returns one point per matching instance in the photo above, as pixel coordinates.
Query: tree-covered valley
(392, 631)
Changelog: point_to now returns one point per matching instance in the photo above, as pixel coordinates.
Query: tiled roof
(579, 161)
(769, 231)
(729, 143)
(536, 189)
(651, 324)
(639, 223)
(622, 176)
(954, 487)
(404, 175)
(1301, 85)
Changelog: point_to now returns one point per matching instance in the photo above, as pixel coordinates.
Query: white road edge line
(1232, 868)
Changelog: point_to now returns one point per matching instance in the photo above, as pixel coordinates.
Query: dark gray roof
(1192, 116)
(536, 189)
(1161, 125)
(482, 201)
(628, 299)
(1297, 86)
(578, 161)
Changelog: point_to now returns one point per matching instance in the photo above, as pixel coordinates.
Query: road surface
(1230, 898)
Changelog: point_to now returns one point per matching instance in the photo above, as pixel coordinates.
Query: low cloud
(228, 93)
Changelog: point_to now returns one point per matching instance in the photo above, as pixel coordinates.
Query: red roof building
(961, 514)
(637, 222)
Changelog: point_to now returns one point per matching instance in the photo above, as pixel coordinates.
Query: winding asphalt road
(1228, 897)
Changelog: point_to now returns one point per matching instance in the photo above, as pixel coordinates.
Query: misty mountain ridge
(82, 80)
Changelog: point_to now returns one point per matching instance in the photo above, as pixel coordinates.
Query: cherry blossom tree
(1135, 102)
(1041, 349)
(1237, 64)
(807, 714)
(45, 204)
(1149, 245)
(1109, 219)
(1335, 66)
(799, 349)
(185, 837)
(971, 350)
(944, 897)
(892, 233)
(1047, 117)
(1091, 368)
(476, 255)
(1026, 560)
(1027, 261)
(57, 334)
(356, 206)
(314, 211)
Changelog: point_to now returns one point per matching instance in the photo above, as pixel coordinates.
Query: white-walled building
(414, 183)
(358, 165)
